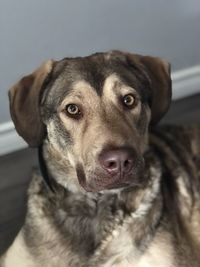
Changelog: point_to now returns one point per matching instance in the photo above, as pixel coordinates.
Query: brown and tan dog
(117, 192)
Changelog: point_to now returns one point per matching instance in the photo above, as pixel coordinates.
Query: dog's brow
(80, 85)
(77, 88)
(75, 94)
(81, 91)
(113, 85)
(111, 81)
(116, 84)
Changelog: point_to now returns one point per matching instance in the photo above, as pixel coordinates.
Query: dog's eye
(129, 101)
(73, 110)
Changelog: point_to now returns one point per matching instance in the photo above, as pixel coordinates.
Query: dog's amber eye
(73, 110)
(129, 100)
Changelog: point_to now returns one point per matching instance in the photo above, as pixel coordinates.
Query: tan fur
(114, 88)
(17, 255)
(160, 253)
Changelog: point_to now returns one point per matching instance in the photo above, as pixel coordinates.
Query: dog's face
(96, 112)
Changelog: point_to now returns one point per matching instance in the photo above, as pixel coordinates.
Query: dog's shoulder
(178, 137)
(179, 151)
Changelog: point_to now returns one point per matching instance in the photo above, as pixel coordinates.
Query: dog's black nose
(117, 161)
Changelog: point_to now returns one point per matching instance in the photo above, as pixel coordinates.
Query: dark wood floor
(15, 170)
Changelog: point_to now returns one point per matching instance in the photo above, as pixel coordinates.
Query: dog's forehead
(90, 69)
(111, 86)
(95, 70)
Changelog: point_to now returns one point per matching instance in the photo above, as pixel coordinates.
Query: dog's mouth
(101, 181)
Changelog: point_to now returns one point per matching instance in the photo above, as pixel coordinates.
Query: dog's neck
(100, 215)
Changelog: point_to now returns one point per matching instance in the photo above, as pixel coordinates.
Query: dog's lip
(117, 185)
(108, 183)
(99, 188)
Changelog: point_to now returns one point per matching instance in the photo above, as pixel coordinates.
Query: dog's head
(95, 113)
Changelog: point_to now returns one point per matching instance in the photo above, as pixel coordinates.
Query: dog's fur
(87, 217)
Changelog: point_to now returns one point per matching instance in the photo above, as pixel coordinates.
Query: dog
(113, 189)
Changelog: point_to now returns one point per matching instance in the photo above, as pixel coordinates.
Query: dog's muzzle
(118, 168)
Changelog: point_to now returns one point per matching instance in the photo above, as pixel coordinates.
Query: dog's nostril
(126, 163)
(112, 165)
(117, 161)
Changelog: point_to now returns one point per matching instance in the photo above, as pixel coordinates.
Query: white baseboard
(10, 141)
(185, 82)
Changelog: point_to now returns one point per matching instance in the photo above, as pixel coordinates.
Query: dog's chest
(120, 250)
(116, 248)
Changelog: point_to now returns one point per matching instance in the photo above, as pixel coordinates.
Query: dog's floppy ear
(24, 99)
(159, 73)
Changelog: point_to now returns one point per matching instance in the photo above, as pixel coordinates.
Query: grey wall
(33, 31)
